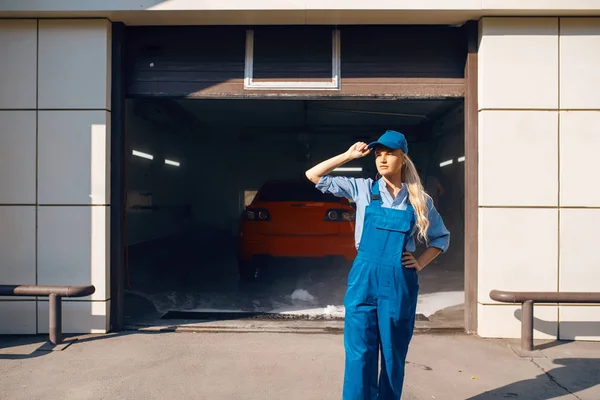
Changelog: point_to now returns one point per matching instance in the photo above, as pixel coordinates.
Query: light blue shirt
(359, 191)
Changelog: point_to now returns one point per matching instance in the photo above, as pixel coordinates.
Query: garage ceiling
(325, 115)
(270, 119)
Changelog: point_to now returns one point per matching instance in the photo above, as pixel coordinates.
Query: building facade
(532, 111)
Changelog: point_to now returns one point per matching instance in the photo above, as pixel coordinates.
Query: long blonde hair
(417, 197)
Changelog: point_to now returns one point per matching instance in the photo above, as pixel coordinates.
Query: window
(249, 195)
(292, 58)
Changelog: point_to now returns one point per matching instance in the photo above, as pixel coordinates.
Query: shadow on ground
(24, 347)
(572, 375)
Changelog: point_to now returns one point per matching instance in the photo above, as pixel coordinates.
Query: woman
(381, 297)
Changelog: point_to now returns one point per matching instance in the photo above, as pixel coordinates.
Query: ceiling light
(142, 155)
(348, 169)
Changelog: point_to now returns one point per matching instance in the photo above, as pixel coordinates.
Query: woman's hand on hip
(409, 261)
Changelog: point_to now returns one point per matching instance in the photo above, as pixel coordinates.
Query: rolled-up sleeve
(437, 234)
(339, 186)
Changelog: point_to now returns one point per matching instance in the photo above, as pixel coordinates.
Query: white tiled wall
(579, 63)
(579, 256)
(74, 157)
(504, 321)
(579, 136)
(84, 81)
(17, 245)
(507, 259)
(580, 322)
(17, 157)
(78, 316)
(18, 41)
(539, 211)
(518, 63)
(55, 168)
(73, 247)
(518, 158)
(21, 315)
(579, 144)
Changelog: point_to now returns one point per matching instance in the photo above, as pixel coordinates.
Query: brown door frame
(471, 204)
(118, 233)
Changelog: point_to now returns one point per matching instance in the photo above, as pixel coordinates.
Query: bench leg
(55, 328)
(527, 325)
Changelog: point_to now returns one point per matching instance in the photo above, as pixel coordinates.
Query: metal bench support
(528, 299)
(55, 295)
(55, 327)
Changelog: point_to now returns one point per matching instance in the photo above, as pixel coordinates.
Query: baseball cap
(393, 140)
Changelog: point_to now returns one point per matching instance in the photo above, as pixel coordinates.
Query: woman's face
(389, 162)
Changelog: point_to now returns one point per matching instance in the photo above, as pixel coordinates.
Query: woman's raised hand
(358, 150)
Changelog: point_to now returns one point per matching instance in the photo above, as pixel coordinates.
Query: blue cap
(393, 140)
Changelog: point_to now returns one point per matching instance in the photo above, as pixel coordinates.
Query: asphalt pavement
(190, 364)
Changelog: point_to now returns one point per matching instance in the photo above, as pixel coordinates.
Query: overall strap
(375, 194)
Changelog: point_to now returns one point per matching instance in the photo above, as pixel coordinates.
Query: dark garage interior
(193, 166)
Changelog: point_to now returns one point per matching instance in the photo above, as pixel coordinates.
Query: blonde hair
(417, 197)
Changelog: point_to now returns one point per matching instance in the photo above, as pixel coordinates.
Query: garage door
(300, 61)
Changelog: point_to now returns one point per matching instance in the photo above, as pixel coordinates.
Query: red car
(294, 219)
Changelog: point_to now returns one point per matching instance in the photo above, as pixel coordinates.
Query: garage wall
(159, 195)
(539, 113)
(55, 168)
(448, 134)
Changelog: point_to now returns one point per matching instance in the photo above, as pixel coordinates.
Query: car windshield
(294, 191)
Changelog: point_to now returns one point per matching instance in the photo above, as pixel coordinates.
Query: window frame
(334, 84)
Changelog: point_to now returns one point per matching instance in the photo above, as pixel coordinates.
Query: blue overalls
(380, 302)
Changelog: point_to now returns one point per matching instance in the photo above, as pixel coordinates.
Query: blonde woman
(381, 297)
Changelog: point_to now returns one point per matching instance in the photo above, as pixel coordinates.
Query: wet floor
(187, 274)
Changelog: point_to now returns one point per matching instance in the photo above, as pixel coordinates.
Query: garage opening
(201, 175)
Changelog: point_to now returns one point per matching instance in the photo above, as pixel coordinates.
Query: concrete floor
(182, 274)
(265, 366)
